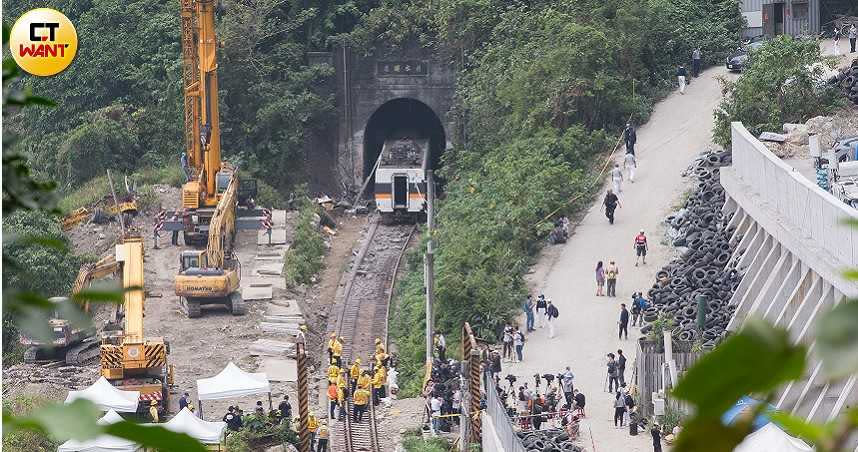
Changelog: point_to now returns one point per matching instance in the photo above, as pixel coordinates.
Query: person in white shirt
(631, 165)
(435, 405)
(617, 178)
(457, 401)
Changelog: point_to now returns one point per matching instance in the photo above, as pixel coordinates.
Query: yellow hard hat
(303, 327)
(333, 335)
(153, 403)
(378, 340)
(357, 360)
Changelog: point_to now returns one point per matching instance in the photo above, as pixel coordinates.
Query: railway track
(363, 317)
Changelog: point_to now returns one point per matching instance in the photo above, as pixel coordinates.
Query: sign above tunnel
(402, 68)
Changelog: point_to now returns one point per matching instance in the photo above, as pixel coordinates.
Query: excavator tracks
(83, 353)
(363, 317)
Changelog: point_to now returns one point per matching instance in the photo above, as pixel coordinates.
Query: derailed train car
(400, 179)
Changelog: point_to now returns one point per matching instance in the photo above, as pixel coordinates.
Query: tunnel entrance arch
(402, 117)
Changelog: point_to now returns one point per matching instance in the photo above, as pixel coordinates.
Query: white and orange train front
(400, 190)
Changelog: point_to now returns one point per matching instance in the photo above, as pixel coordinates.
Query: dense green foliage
(304, 257)
(545, 88)
(416, 443)
(122, 103)
(26, 440)
(257, 432)
(782, 84)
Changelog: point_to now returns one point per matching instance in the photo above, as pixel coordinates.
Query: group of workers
(355, 382)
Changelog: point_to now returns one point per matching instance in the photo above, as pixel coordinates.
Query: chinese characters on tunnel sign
(407, 68)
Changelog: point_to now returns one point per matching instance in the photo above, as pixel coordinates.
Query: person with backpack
(613, 381)
(551, 313)
(640, 247)
(636, 308)
(611, 272)
(611, 203)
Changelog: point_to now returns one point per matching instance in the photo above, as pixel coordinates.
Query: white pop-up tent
(103, 443)
(203, 431)
(107, 397)
(231, 383)
(771, 438)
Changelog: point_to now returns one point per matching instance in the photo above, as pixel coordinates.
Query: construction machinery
(128, 359)
(74, 344)
(213, 275)
(208, 176)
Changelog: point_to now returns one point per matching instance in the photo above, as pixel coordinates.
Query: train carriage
(400, 179)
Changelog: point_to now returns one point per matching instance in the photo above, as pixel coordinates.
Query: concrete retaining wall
(793, 246)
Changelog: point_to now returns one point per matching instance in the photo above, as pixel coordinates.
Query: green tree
(783, 83)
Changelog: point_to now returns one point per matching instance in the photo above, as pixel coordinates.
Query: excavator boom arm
(222, 226)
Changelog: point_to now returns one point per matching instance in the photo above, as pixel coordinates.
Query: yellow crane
(209, 177)
(75, 345)
(128, 359)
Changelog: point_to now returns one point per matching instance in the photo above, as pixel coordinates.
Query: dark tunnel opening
(401, 118)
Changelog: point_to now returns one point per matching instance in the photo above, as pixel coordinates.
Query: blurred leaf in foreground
(756, 360)
(837, 340)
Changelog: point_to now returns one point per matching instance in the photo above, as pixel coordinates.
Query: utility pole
(429, 262)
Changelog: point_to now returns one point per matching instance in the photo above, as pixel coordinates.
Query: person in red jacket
(640, 247)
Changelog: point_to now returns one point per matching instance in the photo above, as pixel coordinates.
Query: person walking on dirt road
(630, 137)
(631, 164)
(551, 313)
(640, 247)
(695, 62)
(681, 76)
(611, 272)
(600, 279)
(617, 178)
(624, 321)
(611, 203)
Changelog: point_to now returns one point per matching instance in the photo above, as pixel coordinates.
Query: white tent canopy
(771, 438)
(103, 443)
(232, 382)
(203, 431)
(107, 397)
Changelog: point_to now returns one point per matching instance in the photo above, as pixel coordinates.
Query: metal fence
(812, 212)
(503, 429)
(650, 377)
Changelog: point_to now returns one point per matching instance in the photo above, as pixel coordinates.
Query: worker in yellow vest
(333, 373)
(331, 343)
(153, 411)
(365, 380)
(341, 401)
(361, 398)
(378, 385)
(343, 382)
(354, 374)
(312, 426)
(337, 351)
(323, 438)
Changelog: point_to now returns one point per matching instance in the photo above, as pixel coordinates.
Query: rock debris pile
(548, 441)
(704, 266)
(848, 79)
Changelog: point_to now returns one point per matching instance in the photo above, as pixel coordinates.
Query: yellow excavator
(213, 275)
(129, 360)
(75, 345)
(208, 176)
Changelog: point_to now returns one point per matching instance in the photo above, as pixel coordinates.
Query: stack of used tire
(548, 441)
(704, 266)
(848, 79)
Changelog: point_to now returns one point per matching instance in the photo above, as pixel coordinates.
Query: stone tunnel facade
(408, 88)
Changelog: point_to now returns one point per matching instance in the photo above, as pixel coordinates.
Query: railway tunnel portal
(393, 92)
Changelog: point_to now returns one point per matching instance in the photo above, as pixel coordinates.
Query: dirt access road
(586, 330)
